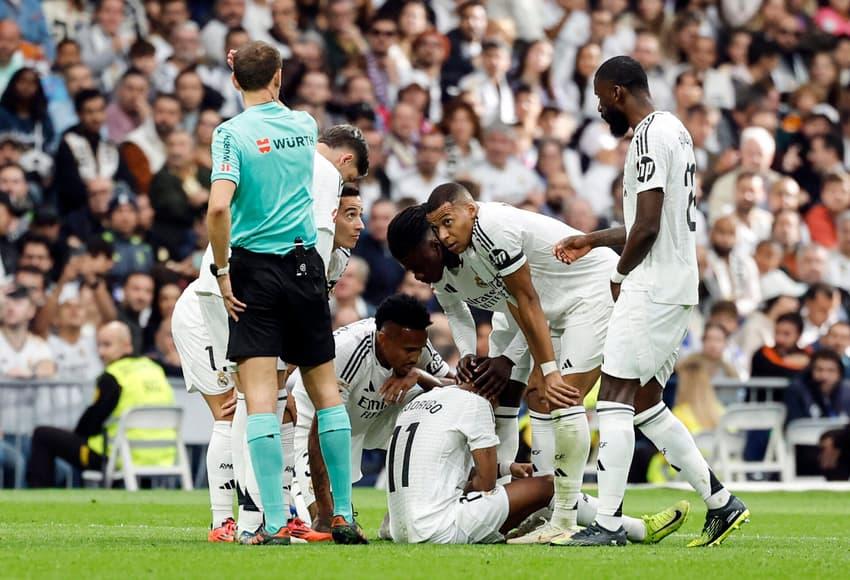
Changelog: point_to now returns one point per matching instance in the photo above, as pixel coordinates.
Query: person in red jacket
(821, 219)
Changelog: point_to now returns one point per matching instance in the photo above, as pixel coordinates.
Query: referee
(274, 285)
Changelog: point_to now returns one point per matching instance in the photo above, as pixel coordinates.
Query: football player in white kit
(381, 363)
(655, 289)
(200, 330)
(440, 438)
(504, 374)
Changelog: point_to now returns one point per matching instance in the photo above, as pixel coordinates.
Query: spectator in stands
(105, 44)
(127, 382)
(144, 150)
(131, 253)
(384, 273)
(165, 352)
(343, 39)
(501, 175)
(11, 58)
(23, 355)
(377, 184)
(23, 107)
(348, 291)
(208, 120)
(839, 259)
(759, 328)
(430, 51)
(732, 273)
(30, 17)
(756, 156)
(559, 191)
(819, 392)
(837, 339)
(462, 128)
(400, 144)
(313, 95)
(384, 59)
(784, 359)
(754, 224)
(826, 157)
(130, 107)
(177, 192)
(135, 309)
(768, 258)
(787, 232)
(190, 91)
(22, 195)
(647, 52)
(84, 155)
(143, 58)
(35, 253)
(578, 213)
(489, 85)
(217, 76)
(834, 457)
(696, 401)
(820, 311)
(466, 41)
(227, 14)
(76, 77)
(73, 343)
(8, 250)
(186, 55)
(91, 220)
(429, 171)
(785, 194)
(284, 33)
(822, 218)
(812, 264)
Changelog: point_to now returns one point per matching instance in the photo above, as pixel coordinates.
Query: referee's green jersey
(267, 151)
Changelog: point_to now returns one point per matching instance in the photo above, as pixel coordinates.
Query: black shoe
(595, 535)
(345, 532)
(720, 523)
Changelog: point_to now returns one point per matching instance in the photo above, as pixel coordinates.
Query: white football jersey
(360, 375)
(78, 361)
(661, 156)
(34, 351)
(430, 457)
(327, 185)
(504, 238)
(336, 266)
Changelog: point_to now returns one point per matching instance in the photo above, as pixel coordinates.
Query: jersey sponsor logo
(645, 169)
(370, 408)
(293, 142)
(479, 282)
(263, 145)
(500, 258)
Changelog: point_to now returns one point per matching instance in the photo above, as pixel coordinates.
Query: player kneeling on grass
(381, 364)
(442, 437)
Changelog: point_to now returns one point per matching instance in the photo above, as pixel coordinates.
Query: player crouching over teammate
(441, 478)
(381, 363)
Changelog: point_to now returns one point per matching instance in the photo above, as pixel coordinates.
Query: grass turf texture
(116, 534)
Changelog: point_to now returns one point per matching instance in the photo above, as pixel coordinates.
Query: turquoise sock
(335, 441)
(263, 434)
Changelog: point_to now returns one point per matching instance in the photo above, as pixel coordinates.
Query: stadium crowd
(108, 110)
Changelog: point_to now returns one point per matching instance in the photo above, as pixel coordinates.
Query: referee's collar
(269, 105)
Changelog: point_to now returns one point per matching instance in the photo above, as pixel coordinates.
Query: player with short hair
(381, 363)
(655, 289)
(200, 331)
(504, 373)
(440, 438)
(562, 311)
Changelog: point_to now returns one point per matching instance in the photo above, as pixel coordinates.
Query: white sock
(572, 446)
(587, 506)
(251, 510)
(542, 443)
(616, 447)
(675, 442)
(507, 430)
(220, 476)
(287, 442)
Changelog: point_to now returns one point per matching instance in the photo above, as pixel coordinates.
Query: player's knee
(618, 390)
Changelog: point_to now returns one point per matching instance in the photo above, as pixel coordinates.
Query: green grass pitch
(115, 534)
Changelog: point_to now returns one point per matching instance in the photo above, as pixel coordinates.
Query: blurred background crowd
(107, 110)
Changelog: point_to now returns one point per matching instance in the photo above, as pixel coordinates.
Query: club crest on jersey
(264, 145)
(500, 259)
(645, 169)
(479, 282)
(225, 167)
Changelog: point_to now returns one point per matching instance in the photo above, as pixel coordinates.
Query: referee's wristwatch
(219, 272)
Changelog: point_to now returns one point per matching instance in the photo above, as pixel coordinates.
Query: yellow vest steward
(143, 384)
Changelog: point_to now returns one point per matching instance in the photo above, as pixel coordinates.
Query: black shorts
(285, 315)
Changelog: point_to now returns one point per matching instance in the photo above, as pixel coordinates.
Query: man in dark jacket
(820, 392)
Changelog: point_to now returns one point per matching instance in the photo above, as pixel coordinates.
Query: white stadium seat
(731, 436)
